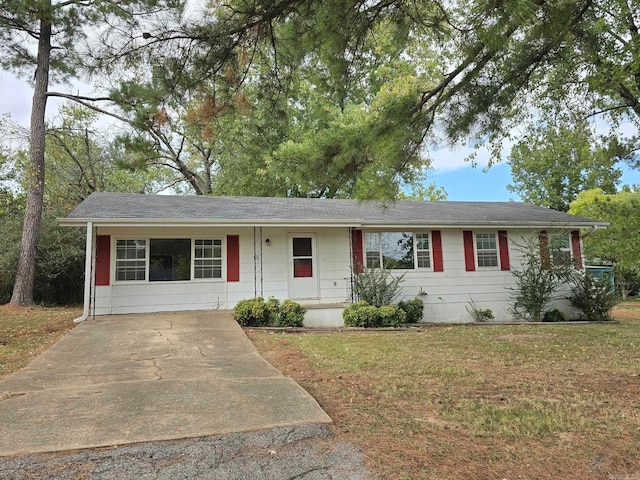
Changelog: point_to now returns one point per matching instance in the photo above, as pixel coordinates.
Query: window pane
(130, 260)
(169, 259)
(302, 247)
(208, 259)
(302, 268)
(423, 255)
(487, 251)
(373, 260)
(397, 249)
(424, 260)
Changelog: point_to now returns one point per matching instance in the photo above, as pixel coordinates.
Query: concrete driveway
(136, 378)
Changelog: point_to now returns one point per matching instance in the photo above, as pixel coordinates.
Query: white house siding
(332, 263)
(264, 270)
(446, 295)
(144, 296)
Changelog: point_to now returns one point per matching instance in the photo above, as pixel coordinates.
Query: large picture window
(397, 250)
(169, 259)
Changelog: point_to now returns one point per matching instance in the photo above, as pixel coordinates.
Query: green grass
(550, 401)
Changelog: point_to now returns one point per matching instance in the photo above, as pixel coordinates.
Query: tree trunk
(25, 275)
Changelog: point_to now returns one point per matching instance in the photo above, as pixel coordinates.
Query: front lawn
(26, 332)
(469, 402)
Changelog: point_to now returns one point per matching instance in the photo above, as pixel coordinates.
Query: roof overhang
(307, 223)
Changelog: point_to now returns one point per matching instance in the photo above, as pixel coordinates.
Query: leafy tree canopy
(551, 164)
(618, 244)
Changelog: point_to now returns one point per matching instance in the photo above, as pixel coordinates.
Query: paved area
(138, 378)
(303, 453)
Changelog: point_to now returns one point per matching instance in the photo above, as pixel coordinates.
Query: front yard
(475, 402)
(450, 402)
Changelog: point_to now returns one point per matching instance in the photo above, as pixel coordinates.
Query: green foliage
(291, 314)
(361, 314)
(60, 256)
(554, 315)
(391, 316)
(478, 314)
(413, 309)
(538, 280)
(552, 164)
(377, 286)
(594, 297)
(255, 312)
(618, 244)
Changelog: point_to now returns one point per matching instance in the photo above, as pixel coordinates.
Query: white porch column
(88, 270)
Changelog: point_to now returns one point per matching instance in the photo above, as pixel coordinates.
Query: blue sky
(459, 178)
(462, 181)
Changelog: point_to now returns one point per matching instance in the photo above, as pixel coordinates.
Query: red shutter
(503, 245)
(469, 254)
(103, 260)
(576, 249)
(233, 258)
(545, 254)
(356, 250)
(436, 241)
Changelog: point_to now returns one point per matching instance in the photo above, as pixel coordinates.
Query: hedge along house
(150, 253)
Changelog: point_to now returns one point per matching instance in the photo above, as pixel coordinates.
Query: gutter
(87, 275)
(313, 223)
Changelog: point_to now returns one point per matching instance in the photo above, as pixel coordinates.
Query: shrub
(391, 316)
(377, 286)
(594, 297)
(255, 312)
(479, 314)
(554, 315)
(252, 312)
(361, 314)
(291, 314)
(413, 310)
(538, 279)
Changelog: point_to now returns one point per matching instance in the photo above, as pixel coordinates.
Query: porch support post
(87, 274)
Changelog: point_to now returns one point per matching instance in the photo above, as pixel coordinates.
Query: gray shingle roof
(132, 208)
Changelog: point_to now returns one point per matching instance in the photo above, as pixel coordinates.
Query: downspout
(87, 275)
(594, 229)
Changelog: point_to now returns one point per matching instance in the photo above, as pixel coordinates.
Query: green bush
(291, 314)
(554, 315)
(361, 314)
(391, 316)
(377, 286)
(252, 312)
(595, 297)
(255, 312)
(413, 310)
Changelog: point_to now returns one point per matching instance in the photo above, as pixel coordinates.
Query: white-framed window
(562, 254)
(207, 258)
(423, 251)
(168, 259)
(486, 249)
(397, 250)
(131, 260)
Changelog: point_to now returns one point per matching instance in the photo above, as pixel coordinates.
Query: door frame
(313, 282)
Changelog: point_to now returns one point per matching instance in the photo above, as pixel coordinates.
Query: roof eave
(200, 222)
